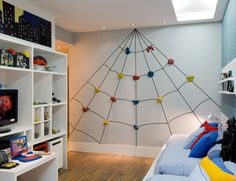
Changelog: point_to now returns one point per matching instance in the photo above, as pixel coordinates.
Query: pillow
(192, 138)
(219, 162)
(214, 152)
(208, 128)
(231, 166)
(214, 125)
(198, 174)
(204, 145)
(214, 172)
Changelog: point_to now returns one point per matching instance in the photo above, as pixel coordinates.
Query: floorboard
(104, 167)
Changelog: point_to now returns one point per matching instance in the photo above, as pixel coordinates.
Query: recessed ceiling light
(133, 25)
(103, 27)
(188, 10)
(58, 47)
(164, 22)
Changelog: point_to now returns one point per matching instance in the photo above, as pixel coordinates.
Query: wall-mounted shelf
(227, 79)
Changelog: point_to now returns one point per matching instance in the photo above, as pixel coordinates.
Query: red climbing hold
(113, 99)
(85, 109)
(170, 61)
(150, 48)
(136, 77)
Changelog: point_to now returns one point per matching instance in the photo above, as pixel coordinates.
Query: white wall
(196, 50)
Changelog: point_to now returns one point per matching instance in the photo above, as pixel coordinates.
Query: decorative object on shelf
(7, 58)
(37, 119)
(40, 60)
(54, 99)
(55, 130)
(22, 60)
(46, 115)
(24, 25)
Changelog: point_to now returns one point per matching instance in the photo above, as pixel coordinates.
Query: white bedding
(174, 159)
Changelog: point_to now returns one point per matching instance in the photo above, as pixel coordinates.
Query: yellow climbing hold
(160, 99)
(106, 122)
(97, 90)
(190, 78)
(120, 75)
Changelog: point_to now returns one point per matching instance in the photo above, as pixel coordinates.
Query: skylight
(188, 10)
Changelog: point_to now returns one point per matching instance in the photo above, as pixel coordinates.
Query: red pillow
(208, 128)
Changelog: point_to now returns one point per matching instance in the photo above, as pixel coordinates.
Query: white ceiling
(91, 15)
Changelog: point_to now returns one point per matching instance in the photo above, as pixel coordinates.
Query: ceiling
(92, 15)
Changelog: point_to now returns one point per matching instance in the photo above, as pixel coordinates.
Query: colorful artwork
(19, 23)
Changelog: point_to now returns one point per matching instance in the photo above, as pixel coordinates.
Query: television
(8, 108)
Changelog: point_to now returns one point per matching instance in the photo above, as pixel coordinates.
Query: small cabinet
(57, 147)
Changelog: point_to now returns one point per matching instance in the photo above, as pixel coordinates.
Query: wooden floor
(103, 167)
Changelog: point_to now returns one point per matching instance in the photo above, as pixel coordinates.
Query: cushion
(214, 124)
(208, 128)
(214, 152)
(198, 174)
(192, 138)
(214, 172)
(204, 145)
(219, 162)
(231, 166)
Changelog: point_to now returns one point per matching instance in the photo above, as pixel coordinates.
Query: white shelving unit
(37, 114)
(227, 82)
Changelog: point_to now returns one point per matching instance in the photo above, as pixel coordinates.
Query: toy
(39, 60)
(4, 161)
(37, 119)
(7, 57)
(22, 60)
(54, 99)
(46, 116)
(55, 131)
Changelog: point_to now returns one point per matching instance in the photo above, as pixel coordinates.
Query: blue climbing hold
(150, 74)
(127, 51)
(135, 102)
(136, 127)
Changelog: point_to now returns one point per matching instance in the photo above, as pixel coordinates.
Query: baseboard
(140, 151)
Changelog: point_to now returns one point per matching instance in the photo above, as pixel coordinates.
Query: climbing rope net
(138, 45)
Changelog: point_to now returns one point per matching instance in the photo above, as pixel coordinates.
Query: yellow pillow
(214, 172)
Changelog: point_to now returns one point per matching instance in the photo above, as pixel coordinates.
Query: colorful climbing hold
(136, 127)
(150, 48)
(190, 78)
(85, 109)
(136, 77)
(160, 99)
(97, 90)
(113, 99)
(106, 122)
(127, 51)
(135, 102)
(120, 75)
(150, 74)
(170, 61)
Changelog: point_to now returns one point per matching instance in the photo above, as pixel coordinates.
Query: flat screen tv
(8, 107)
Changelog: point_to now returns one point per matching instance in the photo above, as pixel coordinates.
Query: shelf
(49, 72)
(35, 123)
(15, 131)
(226, 92)
(50, 137)
(2, 67)
(59, 104)
(41, 105)
(225, 80)
(45, 121)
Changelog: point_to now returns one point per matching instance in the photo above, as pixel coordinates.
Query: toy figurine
(54, 99)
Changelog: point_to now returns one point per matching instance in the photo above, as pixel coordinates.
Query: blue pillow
(219, 162)
(214, 125)
(204, 145)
